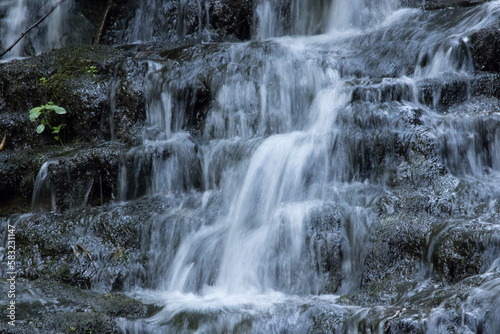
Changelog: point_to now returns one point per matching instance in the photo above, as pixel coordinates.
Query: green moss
(72, 70)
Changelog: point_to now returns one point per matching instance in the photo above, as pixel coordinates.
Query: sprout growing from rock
(43, 113)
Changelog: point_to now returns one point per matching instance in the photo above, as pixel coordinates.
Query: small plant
(43, 113)
(43, 81)
(92, 71)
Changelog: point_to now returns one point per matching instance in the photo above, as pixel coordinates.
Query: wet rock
(439, 94)
(178, 21)
(486, 84)
(66, 309)
(326, 238)
(75, 178)
(85, 248)
(462, 249)
(398, 248)
(232, 18)
(485, 49)
(440, 4)
(79, 178)
(80, 80)
(18, 169)
(385, 90)
(138, 169)
(444, 92)
(434, 307)
(102, 92)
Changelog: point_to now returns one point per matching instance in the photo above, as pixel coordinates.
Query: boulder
(485, 48)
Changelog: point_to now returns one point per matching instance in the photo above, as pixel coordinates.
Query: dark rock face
(485, 47)
(177, 21)
(104, 100)
(80, 178)
(232, 18)
(486, 84)
(440, 4)
(69, 84)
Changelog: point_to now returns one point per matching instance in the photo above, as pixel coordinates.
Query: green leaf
(34, 113)
(57, 129)
(59, 110)
(40, 128)
(56, 137)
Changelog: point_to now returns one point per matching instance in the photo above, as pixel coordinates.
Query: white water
(44, 197)
(274, 129)
(258, 254)
(60, 28)
(282, 143)
(13, 25)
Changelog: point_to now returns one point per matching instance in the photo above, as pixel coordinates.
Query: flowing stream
(275, 200)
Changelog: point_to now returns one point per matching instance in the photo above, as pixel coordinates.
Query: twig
(76, 254)
(100, 29)
(30, 28)
(88, 254)
(4, 141)
(388, 320)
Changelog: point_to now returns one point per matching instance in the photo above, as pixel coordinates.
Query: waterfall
(335, 172)
(44, 197)
(264, 243)
(282, 141)
(359, 14)
(173, 20)
(294, 17)
(13, 25)
(278, 107)
(63, 27)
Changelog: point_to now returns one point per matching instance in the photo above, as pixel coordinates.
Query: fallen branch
(30, 28)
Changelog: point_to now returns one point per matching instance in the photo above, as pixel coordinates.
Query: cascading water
(13, 24)
(44, 190)
(277, 18)
(302, 157)
(284, 108)
(63, 27)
